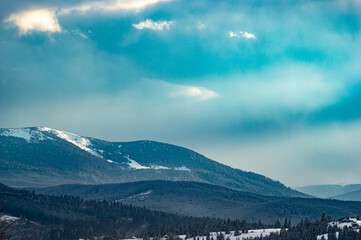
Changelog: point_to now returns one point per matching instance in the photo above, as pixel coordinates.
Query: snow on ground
(349, 222)
(28, 134)
(156, 167)
(250, 234)
(141, 195)
(133, 164)
(77, 140)
(7, 218)
(243, 236)
(340, 225)
(182, 168)
(325, 236)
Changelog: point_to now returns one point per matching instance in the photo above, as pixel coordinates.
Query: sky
(271, 86)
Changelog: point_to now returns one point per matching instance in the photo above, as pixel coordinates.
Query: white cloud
(43, 20)
(82, 35)
(149, 24)
(112, 5)
(200, 93)
(241, 34)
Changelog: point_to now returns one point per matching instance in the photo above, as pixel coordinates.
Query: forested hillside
(206, 200)
(68, 217)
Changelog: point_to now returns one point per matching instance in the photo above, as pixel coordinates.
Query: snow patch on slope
(28, 134)
(156, 167)
(133, 164)
(141, 195)
(182, 168)
(77, 140)
(7, 218)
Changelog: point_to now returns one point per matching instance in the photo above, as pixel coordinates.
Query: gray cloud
(274, 105)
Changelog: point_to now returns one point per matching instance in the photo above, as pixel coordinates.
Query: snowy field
(345, 222)
(250, 234)
(243, 236)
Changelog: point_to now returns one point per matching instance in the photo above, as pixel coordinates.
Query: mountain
(328, 190)
(350, 196)
(41, 156)
(205, 200)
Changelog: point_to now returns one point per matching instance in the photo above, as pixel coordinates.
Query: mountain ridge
(329, 190)
(349, 196)
(41, 156)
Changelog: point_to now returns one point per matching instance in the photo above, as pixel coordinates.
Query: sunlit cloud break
(150, 24)
(241, 34)
(43, 20)
(111, 5)
(200, 93)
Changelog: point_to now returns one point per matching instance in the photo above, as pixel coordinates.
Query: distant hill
(328, 190)
(350, 196)
(67, 217)
(40, 156)
(205, 200)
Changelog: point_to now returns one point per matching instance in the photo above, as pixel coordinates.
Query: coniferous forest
(69, 217)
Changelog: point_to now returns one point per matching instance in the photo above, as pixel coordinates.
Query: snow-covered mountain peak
(75, 139)
(29, 134)
(111, 155)
(33, 135)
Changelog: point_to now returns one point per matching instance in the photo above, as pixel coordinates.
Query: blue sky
(265, 86)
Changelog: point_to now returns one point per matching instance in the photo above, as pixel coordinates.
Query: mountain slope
(349, 196)
(328, 190)
(41, 156)
(205, 200)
